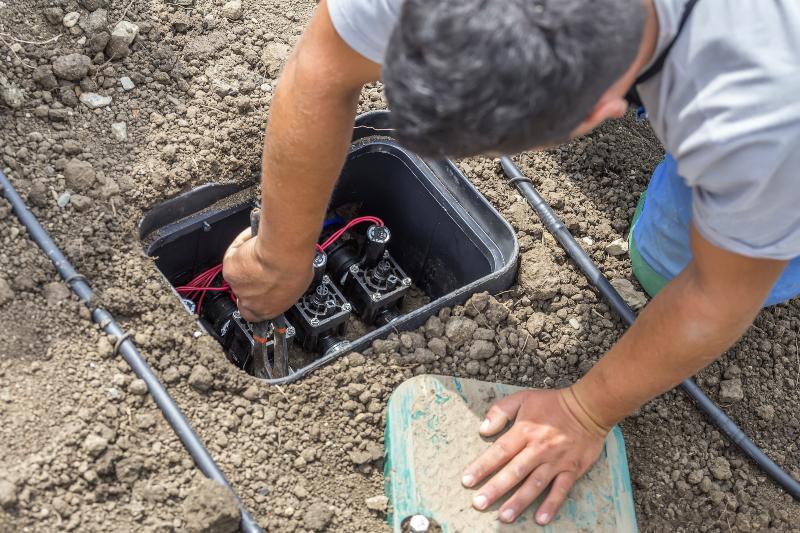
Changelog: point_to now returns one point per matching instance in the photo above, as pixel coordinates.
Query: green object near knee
(650, 280)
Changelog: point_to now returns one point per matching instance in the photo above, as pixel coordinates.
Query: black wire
(590, 270)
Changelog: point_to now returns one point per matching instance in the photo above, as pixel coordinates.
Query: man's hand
(264, 286)
(552, 439)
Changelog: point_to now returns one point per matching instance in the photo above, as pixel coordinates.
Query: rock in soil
(8, 494)
(635, 299)
(71, 67)
(730, 390)
(211, 508)
(317, 516)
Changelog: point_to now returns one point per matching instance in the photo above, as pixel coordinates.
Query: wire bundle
(197, 288)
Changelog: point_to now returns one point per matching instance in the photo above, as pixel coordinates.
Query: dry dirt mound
(106, 108)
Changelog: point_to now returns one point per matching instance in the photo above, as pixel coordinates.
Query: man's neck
(647, 48)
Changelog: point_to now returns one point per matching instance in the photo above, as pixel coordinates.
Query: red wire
(201, 284)
(330, 240)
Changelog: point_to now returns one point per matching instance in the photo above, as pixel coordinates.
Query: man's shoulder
(365, 25)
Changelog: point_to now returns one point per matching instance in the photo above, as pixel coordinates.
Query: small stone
(211, 507)
(460, 329)
(120, 131)
(6, 292)
(481, 349)
(137, 387)
(63, 200)
(317, 517)
(96, 20)
(72, 147)
(232, 10)
(438, 346)
(54, 15)
(97, 42)
(11, 95)
(145, 420)
(201, 378)
(44, 77)
(80, 202)
(121, 39)
(575, 323)
(94, 100)
(55, 292)
(730, 390)
(71, 67)
(535, 323)
(473, 367)
(94, 445)
(104, 347)
(695, 476)
(720, 468)
(171, 375)
(765, 412)
(252, 393)
(8, 494)
(617, 247)
(274, 55)
(70, 19)
(126, 83)
(79, 175)
(636, 299)
(377, 503)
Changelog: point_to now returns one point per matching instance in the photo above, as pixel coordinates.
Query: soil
(85, 448)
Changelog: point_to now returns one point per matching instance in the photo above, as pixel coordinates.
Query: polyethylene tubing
(556, 227)
(126, 347)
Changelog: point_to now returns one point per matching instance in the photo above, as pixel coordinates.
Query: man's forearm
(305, 147)
(681, 331)
(310, 127)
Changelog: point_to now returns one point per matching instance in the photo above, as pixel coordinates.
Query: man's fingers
(506, 479)
(240, 239)
(533, 486)
(492, 459)
(558, 493)
(501, 413)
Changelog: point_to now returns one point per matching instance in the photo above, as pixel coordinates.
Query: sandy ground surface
(83, 446)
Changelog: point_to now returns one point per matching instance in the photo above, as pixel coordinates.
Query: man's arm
(695, 318)
(309, 130)
(557, 435)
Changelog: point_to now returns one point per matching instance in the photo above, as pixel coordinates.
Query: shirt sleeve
(733, 125)
(746, 187)
(365, 25)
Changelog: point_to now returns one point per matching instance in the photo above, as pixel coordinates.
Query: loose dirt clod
(211, 508)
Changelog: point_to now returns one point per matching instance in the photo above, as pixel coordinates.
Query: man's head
(474, 76)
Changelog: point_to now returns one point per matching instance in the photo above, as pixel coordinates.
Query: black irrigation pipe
(718, 417)
(126, 347)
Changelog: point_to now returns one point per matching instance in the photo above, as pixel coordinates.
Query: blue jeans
(661, 233)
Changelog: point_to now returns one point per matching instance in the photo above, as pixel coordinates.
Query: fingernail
(543, 518)
(479, 501)
(468, 480)
(485, 425)
(507, 515)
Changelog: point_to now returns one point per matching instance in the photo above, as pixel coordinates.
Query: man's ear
(607, 107)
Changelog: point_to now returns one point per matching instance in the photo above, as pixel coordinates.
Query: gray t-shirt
(726, 105)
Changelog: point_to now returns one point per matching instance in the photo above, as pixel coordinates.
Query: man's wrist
(588, 420)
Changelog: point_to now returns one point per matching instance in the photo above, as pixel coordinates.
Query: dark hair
(470, 76)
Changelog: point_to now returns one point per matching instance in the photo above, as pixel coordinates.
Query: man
(719, 223)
